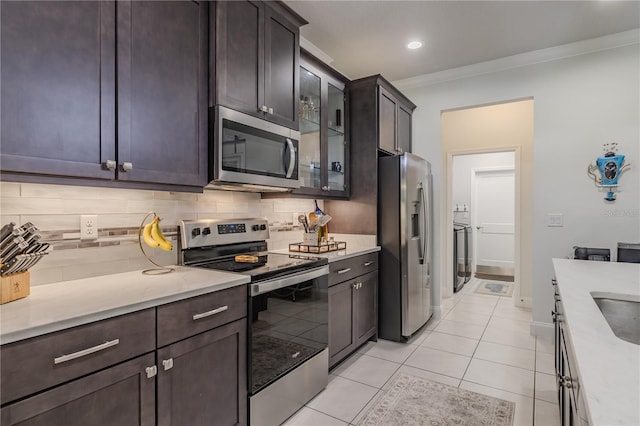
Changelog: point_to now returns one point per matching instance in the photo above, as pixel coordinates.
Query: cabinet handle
(359, 286)
(126, 166)
(344, 271)
(209, 313)
(151, 371)
(371, 262)
(167, 364)
(270, 111)
(85, 352)
(263, 108)
(109, 164)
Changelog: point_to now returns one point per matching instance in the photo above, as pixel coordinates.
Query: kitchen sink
(622, 314)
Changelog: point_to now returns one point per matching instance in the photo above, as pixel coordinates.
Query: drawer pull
(85, 352)
(167, 364)
(209, 313)
(344, 271)
(369, 263)
(151, 371)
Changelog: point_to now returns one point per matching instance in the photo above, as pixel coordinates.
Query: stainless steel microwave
(253, 154)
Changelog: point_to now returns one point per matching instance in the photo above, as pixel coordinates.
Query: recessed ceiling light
(414, 45)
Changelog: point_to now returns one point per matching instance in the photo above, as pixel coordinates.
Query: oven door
(251, 151)
(288, 319)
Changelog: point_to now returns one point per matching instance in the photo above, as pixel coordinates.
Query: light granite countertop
(608, 367)
(353, 249)
(54, 307)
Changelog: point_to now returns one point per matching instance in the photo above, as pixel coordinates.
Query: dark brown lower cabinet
(121, 395)
(341, 313)
(202, 379)
(570, 399)
(198, 375)
(353, 315)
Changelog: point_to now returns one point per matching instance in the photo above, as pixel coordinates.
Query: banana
(158, 237)
(146, 235)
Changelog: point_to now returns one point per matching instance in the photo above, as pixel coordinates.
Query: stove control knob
(255, 227)
(263, 227)
(206, 231)
(195, 232)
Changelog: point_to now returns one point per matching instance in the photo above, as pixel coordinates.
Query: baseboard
(542, 329)
(492, 277)
(523, 302)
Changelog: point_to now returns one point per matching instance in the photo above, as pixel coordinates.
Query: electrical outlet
(295, 218)
(555, 219)
(89, 227)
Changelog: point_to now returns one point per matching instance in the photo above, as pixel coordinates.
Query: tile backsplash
(56, 211)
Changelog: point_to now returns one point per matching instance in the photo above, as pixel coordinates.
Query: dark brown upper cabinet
(63, 114)
(324, 153)
(394, 119)
(380, 124)
(58, 88)
(162, 91)
(257, 56)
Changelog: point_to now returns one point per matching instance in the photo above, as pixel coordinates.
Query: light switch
(555, 219)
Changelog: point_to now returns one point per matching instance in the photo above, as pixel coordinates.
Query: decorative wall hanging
(610, 167)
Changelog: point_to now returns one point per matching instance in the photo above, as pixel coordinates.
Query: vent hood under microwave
(251, 154)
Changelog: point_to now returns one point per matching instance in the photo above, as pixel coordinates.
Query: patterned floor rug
(495, 288)
(411, 400)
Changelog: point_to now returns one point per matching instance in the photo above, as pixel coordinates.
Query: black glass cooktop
(269, 265)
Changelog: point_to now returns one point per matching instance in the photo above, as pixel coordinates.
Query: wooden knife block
(14, 286)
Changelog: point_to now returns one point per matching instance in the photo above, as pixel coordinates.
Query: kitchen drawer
(185, 318)
(344, 270)
(32, 365)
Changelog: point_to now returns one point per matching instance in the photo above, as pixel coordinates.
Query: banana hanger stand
(145, 229)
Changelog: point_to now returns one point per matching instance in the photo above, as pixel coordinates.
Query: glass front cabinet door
(324, 159)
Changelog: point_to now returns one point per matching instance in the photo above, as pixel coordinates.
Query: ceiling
(370, 37)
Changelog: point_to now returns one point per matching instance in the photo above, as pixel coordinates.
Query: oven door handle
(280, 282)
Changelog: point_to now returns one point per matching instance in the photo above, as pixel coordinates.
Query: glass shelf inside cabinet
(335, 140)
(309, 149)
(308, 126)
(335, 132)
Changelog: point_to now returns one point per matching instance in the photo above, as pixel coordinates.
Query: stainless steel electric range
(287, 311)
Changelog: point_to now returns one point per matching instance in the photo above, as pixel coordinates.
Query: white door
(494, 217)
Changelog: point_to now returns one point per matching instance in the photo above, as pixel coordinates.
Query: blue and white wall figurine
(610, 167)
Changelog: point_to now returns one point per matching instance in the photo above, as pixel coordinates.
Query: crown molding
(315, 51)
(524, 59)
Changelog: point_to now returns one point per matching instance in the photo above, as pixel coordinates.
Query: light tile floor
(482, 344)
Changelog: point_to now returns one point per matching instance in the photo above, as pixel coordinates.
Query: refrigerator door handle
(426, 208)
(421, 219)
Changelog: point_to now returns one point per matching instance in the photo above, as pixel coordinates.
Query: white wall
(463, 165)
(581, 102)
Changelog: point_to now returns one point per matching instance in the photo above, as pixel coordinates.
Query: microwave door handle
(292, 158)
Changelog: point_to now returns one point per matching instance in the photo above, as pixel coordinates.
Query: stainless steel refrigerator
(405, 230)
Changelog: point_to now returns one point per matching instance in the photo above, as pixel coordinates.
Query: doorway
(502, 128)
